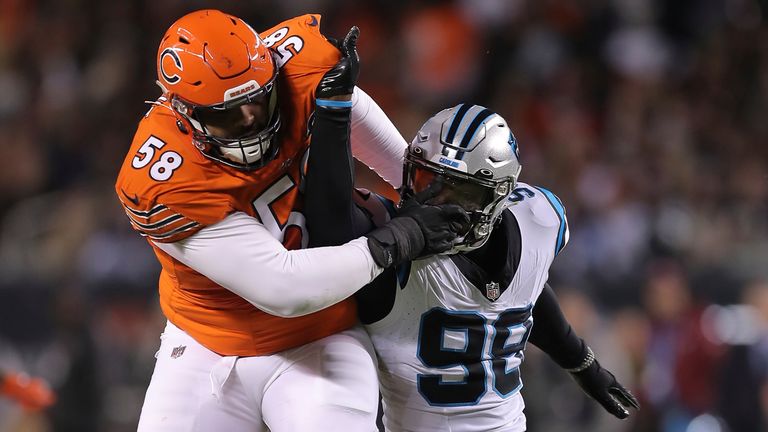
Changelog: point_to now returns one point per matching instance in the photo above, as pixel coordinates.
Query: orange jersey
(170, 190)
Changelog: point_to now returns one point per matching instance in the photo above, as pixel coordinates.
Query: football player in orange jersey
(261, 334)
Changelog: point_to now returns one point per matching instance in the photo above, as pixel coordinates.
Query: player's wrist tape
(587, 362)
(328, 103)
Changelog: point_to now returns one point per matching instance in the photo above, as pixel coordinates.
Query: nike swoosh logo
(313, 22)
(134, 199)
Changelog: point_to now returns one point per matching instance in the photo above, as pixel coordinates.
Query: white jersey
(451, 346)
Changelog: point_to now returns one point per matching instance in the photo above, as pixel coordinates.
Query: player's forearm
(329, 183)
(313, 279)
(375, 140)
(241, 256)
(553, 334)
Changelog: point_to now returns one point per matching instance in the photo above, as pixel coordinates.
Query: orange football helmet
(209, 65)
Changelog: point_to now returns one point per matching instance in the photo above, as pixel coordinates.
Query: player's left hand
(342, 78)
(601, 385)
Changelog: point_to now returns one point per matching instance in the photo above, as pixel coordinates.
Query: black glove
(601, 385)
(423, 230)
(440, 225)
(342, 78)
(428, 220)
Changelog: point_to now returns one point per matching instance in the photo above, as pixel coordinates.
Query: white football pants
(326, 385)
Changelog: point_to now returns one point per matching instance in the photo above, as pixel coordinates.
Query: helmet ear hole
(485, 172)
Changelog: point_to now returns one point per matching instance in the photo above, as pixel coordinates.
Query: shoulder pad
(166, 187)
(540, 207)
(299, 45)
(307, 23)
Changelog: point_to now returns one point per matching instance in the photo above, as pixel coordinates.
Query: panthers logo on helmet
(170, 52)
(513, 143)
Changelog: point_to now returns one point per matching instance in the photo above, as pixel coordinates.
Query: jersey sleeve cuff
(333, 104)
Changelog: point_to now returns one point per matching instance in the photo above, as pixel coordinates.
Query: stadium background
(647, 117)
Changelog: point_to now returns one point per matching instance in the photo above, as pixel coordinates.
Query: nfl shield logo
(178, 351)
(492, 291)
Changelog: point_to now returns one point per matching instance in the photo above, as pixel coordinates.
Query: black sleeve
(331, 214)
(553, 334)
(332, 217)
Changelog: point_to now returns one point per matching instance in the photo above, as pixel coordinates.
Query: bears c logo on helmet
(170, 52)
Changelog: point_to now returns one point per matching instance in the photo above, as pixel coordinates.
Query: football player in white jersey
(450, 330)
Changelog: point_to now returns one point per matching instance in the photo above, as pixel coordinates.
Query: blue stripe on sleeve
(557, 205)
(327, 103)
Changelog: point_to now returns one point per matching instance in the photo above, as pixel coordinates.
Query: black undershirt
(497, 260)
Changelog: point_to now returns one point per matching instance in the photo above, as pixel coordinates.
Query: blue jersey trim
(327, 103)
(557, 205)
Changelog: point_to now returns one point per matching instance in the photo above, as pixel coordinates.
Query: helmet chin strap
(181, 121)
(162, 87)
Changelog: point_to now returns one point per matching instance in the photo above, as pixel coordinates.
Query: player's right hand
(602, 386)
(33, 394)
(342, 78)
(441, 225)
(417, 231)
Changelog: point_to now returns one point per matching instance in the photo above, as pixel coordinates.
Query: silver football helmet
(465, 155)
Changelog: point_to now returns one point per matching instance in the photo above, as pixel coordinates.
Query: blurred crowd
(646, 117)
